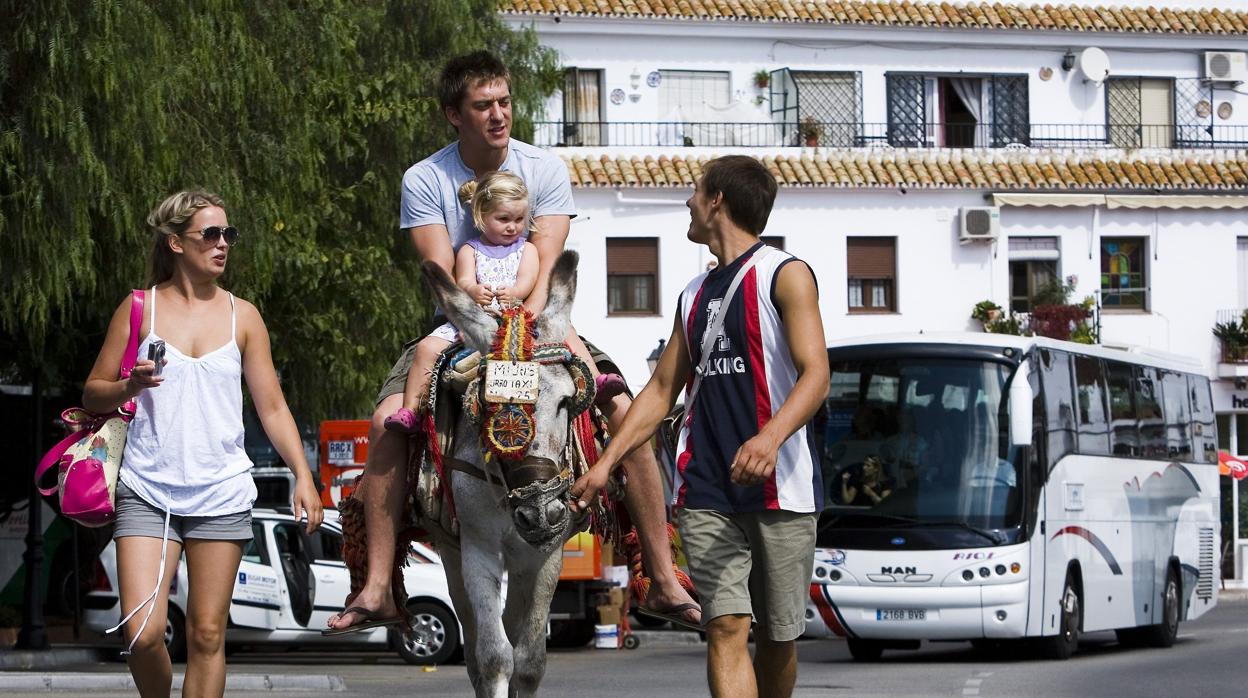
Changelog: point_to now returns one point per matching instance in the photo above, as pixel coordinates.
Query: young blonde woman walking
(185, 483)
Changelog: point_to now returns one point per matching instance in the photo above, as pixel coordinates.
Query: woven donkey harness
(508, 427)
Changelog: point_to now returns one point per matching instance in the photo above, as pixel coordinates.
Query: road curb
(96, 682)
(26, 660)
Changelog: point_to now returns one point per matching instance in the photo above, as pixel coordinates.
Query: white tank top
(184, 449)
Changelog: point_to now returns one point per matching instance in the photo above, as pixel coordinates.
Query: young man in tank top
(475, 91)
(748, 482)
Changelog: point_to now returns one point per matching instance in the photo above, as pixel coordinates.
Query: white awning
(1132, 201)
(1174, 202)
(1060, 200)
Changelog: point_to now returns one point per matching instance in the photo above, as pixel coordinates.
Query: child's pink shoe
(402, 421)
(607, 386)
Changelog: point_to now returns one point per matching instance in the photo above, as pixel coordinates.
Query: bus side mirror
(1021, 398)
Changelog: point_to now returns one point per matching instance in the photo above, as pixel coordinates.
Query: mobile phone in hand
(156, 354)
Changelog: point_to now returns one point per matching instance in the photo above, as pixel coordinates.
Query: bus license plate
(511, 381)
(901, 614)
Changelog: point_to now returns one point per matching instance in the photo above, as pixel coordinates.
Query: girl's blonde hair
(172, 217)
(490, 190)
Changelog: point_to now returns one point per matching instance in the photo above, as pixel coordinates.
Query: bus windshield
(919, 443)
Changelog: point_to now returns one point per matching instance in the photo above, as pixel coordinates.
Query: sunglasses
(215, 232)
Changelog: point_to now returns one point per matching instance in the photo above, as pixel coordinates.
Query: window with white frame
(871, 266)
(632, 276)
(1124, 279)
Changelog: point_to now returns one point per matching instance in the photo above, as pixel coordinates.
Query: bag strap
(712, 331)
(131, 356)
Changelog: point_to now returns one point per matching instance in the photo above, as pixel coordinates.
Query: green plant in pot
(762, 79)
(986, 311)
(1234, 338)
(810, 131)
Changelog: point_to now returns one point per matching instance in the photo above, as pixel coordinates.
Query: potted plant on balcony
(810, 131)
(1054, 316)
(762, 79)
(1234, 338)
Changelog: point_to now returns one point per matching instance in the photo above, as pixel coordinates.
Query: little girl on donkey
(497, 269)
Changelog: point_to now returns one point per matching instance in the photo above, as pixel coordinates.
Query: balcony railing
(1232, 334)
(838, 134)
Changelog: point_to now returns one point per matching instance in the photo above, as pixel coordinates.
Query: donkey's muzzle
(537, 498)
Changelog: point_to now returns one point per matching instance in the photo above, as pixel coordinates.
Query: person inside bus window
(905, 450)
(861, 441)
(869, 488)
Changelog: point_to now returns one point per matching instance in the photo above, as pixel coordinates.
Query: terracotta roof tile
(931, 169)
(975, 15)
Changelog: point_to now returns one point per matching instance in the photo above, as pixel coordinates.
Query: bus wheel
(1164, 633)
(1066, 641)
(865, 650)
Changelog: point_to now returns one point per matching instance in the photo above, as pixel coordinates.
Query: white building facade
(1101, 148)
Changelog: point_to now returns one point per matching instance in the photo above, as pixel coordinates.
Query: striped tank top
(749, 376)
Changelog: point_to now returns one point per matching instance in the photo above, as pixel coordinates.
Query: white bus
(986, 487)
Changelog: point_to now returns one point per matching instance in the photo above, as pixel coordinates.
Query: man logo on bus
(973, 556)
(837, 557)
(899, 570)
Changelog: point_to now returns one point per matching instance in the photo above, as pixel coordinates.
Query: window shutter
(907, 110)
(872, 258)
(1010, 110)
(632, 255)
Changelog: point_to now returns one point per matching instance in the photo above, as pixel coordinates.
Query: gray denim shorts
(137, 517)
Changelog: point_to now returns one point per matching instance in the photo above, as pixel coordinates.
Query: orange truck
(573, 611)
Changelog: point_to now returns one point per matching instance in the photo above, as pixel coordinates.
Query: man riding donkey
(475, 95)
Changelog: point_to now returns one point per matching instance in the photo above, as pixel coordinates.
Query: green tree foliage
(302, 115)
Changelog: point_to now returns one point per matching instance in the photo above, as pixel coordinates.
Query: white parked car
(289, 584)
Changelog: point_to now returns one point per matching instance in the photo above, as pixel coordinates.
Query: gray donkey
(517, 527)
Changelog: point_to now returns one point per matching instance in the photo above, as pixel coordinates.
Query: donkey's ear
(476, 326)
(556, 319)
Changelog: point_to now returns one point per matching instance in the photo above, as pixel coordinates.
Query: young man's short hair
(749, 189)
(463, 72)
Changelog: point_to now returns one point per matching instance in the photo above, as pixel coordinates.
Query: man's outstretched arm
(648, 410)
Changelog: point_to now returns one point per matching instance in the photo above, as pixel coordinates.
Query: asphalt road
(1209, 659)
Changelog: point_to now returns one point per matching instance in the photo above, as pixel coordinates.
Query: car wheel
(175, 635)
(431, 638)
(1164, 633)
(1066, 641)
(865, 650)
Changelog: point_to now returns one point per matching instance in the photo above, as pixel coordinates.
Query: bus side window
(1059, 404)
(1149, 411)
(1204, 429)
(1090, 394)
(1178, 415)
(1123, 422)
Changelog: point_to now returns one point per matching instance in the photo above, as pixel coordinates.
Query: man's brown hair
(462, 72)
(749, 189)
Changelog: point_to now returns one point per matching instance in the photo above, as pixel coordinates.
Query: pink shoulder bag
(89, 458)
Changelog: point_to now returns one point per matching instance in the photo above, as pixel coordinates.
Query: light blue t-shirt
(431, 188)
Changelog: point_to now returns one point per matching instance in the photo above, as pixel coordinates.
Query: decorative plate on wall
(1224, 110)
(1045, 73)
(1203, 108)
(617, 96)
(653, 79)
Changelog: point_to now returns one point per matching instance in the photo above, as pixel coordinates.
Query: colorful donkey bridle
(537, 486)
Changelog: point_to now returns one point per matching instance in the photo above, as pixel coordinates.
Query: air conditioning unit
(979, 224)
(1226, 66)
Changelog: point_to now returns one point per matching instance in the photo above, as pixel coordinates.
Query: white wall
(1191, 264)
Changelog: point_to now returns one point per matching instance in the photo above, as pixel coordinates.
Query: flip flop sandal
(403, 421)
(674, 615)
(370, 621)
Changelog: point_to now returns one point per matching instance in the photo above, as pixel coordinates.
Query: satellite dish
(1094, 65)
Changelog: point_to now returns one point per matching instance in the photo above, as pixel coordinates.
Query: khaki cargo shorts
(753, 562)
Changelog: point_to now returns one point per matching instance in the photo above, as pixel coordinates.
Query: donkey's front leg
(481, 561)
(531, 580)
